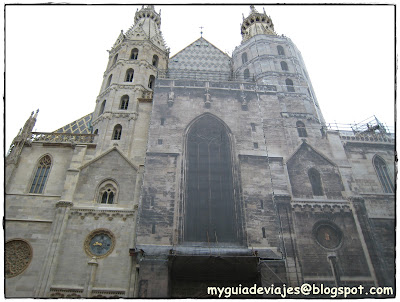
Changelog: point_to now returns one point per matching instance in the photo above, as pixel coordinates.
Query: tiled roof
(80, 126)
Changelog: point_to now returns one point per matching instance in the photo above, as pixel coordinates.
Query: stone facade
(198, 170)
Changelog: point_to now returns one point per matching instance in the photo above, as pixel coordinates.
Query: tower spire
(256, 24)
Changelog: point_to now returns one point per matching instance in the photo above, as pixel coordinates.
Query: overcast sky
(56, 55)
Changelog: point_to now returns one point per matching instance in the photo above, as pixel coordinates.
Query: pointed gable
(299, 166)
(111, 165)
(201, 59)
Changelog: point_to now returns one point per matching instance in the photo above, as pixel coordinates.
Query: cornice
(110, 214)
(321, 207)
(115, 115)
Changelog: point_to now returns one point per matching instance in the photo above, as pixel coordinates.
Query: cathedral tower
(122, 107)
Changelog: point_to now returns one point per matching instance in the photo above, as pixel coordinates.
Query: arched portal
(210, 201)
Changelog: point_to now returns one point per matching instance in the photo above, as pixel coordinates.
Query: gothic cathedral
(217, 171)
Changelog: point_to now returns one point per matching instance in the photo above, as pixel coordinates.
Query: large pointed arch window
(383, 175)
(316, 183)
(209, 183)
(41, 175)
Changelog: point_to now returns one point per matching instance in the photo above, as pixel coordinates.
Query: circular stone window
(327, 235)
(99, 243)
(18, 255)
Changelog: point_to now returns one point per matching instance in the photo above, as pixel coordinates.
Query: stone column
(52, 255)
(293, 269)
(92, 276)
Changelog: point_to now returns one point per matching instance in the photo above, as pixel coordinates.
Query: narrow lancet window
(151, 82)
(109, 81)
(281, 51)
(117, 132)
(134, 54)
(129, 75)
(155, 61)
(316, 183)
(301, 129)
(246, 74)
(209, 183)
(102, 107)
(289, 85)
(124, 102)
(284, 66)
(115, 59)
(383, 175)
(244, 58)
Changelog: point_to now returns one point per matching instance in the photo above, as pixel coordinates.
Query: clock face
(100, 244)
(328, 236)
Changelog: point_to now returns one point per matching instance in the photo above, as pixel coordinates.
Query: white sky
(56, 55)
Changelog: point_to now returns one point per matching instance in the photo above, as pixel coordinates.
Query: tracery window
(134, 54)
(124, 102)
(244, 58)
(209, 183)
(316, 183)
(18, 255)
(41, 175)
(284, 66)
(289, 85)
(383, 174)
(129, 75)
(301, 129)
(281, 51)
(117, 132)
(107, 193)
(155, 61)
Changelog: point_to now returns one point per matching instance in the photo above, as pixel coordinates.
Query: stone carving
(62, 137)
(18, 255)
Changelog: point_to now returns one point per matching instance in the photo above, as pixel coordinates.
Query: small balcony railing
(62, 138)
